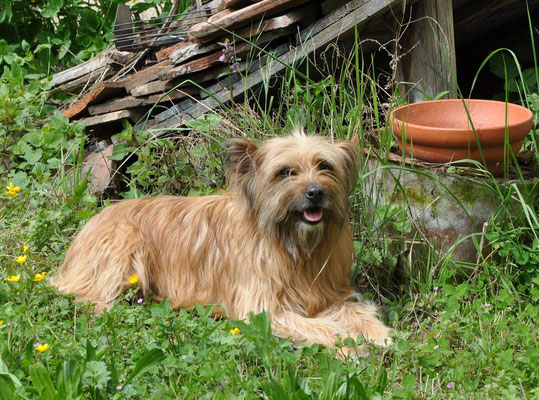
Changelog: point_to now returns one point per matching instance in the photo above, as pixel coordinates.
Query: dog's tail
(102, 258)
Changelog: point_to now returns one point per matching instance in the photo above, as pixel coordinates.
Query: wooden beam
(428, 62)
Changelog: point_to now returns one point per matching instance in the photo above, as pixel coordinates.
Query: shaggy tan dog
(279, 241)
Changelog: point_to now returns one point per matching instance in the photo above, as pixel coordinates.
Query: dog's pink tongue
(313, 215)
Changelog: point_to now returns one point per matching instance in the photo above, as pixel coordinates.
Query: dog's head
(296, 186)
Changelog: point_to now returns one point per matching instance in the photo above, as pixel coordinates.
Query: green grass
(458, 332)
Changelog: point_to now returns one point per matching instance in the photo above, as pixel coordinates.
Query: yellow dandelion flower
(42, 347)
(14, 278)
(21, 259)
(39, 277)
(235, 331)
(12, 190)
(1, 322)
(25, 249)
(133, 279)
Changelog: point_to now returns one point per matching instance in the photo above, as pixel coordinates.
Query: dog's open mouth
(311, 216)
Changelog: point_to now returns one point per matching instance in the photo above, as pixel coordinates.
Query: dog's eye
(285, 173)
(325, 166)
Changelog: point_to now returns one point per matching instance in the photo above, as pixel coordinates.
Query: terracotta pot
(440, 131)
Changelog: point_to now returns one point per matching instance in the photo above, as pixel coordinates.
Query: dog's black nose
(314, 192)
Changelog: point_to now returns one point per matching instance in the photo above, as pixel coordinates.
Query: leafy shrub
(59, 33)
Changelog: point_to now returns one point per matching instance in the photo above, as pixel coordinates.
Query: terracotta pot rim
(393, 119)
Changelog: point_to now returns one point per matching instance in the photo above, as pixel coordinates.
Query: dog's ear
(351, 160)
(241, 156)
(243, 161)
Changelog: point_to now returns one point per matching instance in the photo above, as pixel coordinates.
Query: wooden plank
(103, 91)
(331, 5)
(134, 102)
(280, 22)
(192, 49)
(144, 76)
(235, 4)
(176, 109)
(330, 19)
(102, 60)
(264, 8)
(428, 59)
(133, 115)
(210, 74)
(150, 88)
(80, 85)
(165, 53)
(341, 22)
(160, 87)
(201, 64)
(80, 70)
(116, 105)
(171, 96)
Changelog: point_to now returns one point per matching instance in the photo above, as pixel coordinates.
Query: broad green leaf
(120, 152)
(6, 375)
(52, 8)
(96, 374)
(42, 381)
(33, 156)
(150, 359)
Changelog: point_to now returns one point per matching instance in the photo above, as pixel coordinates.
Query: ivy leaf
(53, 138)
(59, 120)
(3, 47)
(120, 151)
(33, 137)
(205, 123)
(19, 179)
(90, 19)
(52, 8)
(32, 156)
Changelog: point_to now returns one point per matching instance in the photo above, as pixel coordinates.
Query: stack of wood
(241, 44)
(221, 59)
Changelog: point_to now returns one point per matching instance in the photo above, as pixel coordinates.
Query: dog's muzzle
(313, 213)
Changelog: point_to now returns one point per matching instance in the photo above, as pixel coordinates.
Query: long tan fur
(250, 249)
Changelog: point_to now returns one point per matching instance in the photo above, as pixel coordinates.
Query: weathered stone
(100, 169)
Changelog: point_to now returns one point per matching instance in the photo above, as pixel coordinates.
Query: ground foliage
(455, 336)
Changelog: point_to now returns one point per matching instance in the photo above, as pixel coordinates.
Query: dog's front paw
(380, 335)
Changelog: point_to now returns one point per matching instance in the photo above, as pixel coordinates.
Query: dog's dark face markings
(295, 186)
